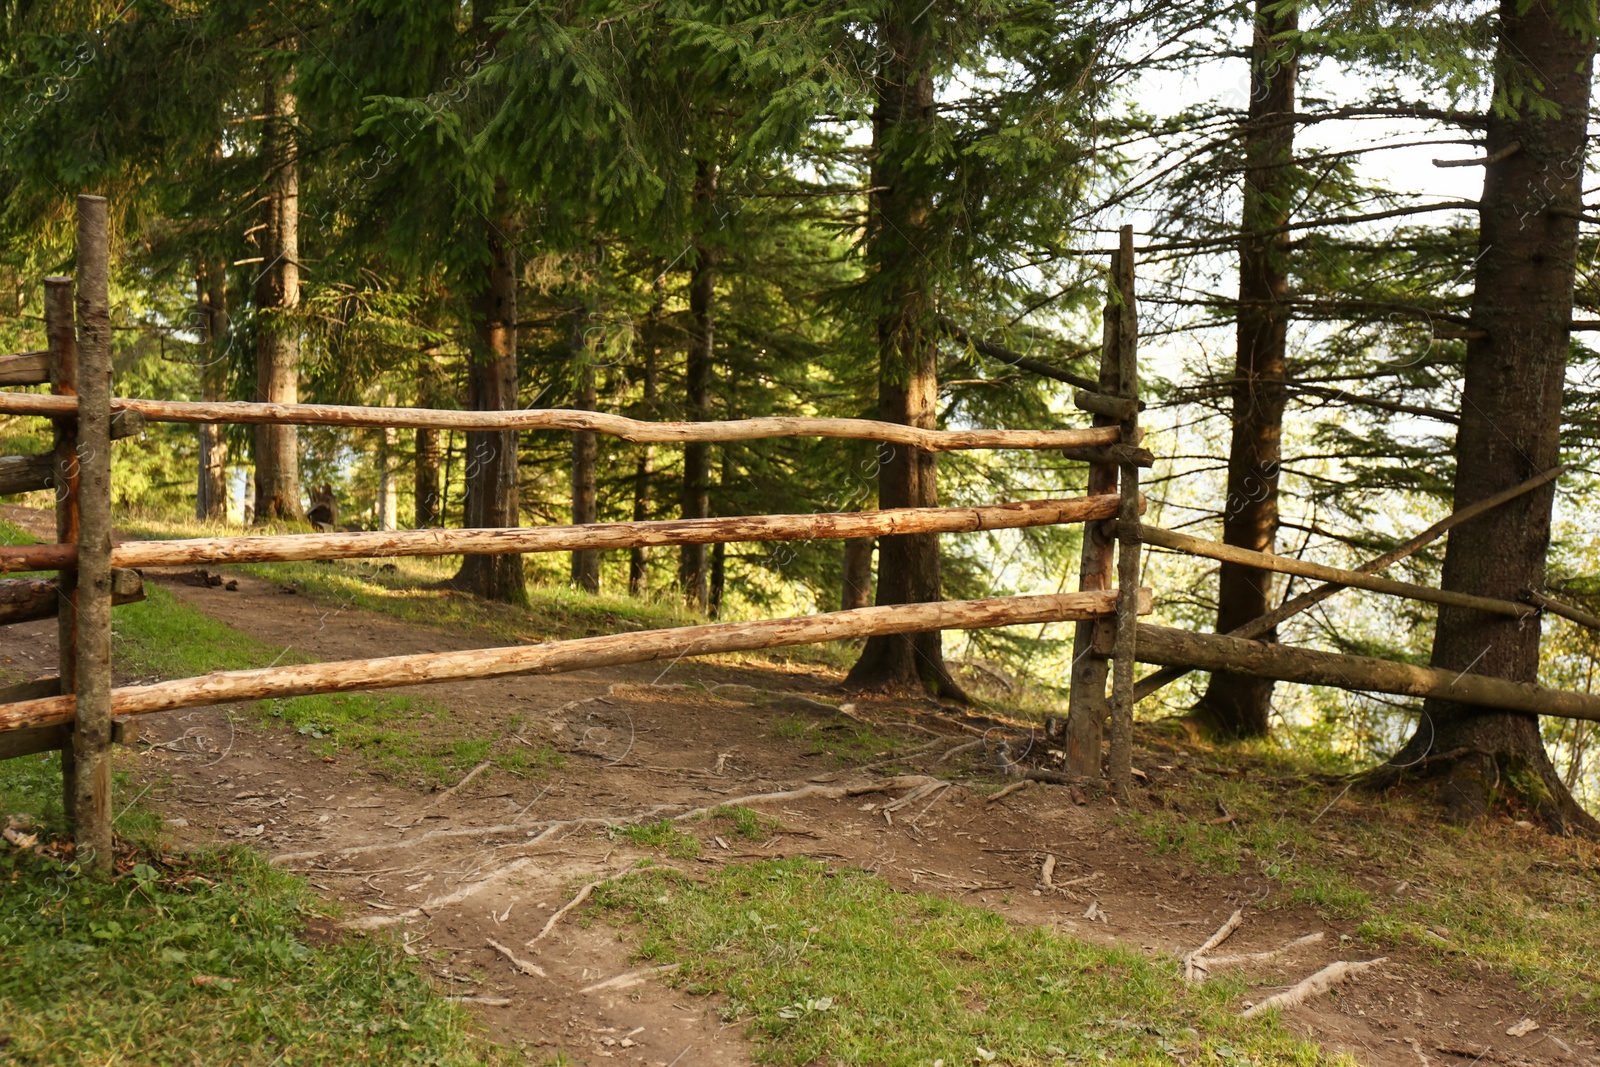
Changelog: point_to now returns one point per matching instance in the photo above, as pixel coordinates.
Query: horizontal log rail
(27, 599)
(554, 657)
(1566, 611)
(565, 419)
(25, 368)
(27, 474)
(601, 535)
(1267, 561)
(1262, 659)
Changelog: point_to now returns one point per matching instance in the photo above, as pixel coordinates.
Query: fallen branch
(1211, 962)
(486, 1002)
(522, 965)
(583, 895)
(1193, 964)
(1014, 787)
(1331, 975)
(631, 978)
(448, 793)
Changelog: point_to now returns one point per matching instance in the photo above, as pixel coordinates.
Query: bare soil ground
(492, 861)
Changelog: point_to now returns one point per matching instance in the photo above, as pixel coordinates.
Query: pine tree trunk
(857, 591)
(1235, 705)
(644, 471)
(425, 478)
(491, 456)
(719, 579)
(585, 455)
(693, 576)
(425, 458)
(897, 236)
(388, 482)
(277, 295)
(1511, 420)
(211, 489)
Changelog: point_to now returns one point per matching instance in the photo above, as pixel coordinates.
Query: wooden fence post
(63, 339)
(1124, 665)
(91, 735)
(1086, 700)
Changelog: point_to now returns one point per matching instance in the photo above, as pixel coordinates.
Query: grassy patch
(204, 958)
(745, 822)
(1506, 898)
(402, 737)
(832, 965)
(663, 836)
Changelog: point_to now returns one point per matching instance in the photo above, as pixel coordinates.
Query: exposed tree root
(1331, 975)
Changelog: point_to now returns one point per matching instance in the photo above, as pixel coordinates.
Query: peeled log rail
(563, 419)
(27, 599)
(1261, 659)
(553, 657)
(1566, 611)
(1268, 561)
(600, 535)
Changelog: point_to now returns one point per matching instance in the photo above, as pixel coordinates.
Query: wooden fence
(76, 710)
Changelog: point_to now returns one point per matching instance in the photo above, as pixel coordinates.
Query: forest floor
(462, 818)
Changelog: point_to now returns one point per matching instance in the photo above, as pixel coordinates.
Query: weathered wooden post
(63, 341)
(1087, 708)
(91, 735)
(1124, 665)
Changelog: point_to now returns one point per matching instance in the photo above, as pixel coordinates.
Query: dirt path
(493, 860)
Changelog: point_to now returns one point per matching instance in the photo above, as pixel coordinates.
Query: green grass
(209, 957)
(663, 836)
(831, 965)
(745, 822)
(401, 737)
(1506, 899)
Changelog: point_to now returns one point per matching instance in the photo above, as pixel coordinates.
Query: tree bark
(1511, 414)
(693, 574)
(211, 489)
(425, 478)
(585, 456)
(388, 481)
(1236, 705)
(277, 295)
(492, 498)
(857, 592)
(644, 471)
(898, 237)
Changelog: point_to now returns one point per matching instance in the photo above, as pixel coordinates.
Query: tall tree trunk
(644, 471)
(719, 579)
(425, 469)
(857, 591)
(1511, 416)
(211, 489)
(693, 577)
(277, 295)
(388, 480)
(898, 242)
(1235, 705)
(491, 456)
(585, 456)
